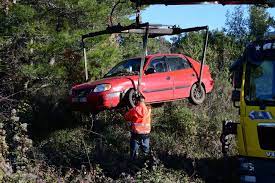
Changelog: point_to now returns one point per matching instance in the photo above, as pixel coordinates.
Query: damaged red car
(166, 77)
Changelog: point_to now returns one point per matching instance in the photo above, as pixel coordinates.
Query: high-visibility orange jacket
(140, 118)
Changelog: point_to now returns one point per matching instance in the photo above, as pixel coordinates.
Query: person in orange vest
(140, 126)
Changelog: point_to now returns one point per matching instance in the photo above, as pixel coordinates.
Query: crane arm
(270, 3)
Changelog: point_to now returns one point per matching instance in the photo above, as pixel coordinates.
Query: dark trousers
(139, 140)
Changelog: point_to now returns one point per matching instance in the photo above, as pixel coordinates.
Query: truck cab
(254, 95)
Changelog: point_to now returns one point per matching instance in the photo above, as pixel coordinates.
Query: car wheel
(131, 98)
(197, 94)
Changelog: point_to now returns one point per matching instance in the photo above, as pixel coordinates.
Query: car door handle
(168, 78)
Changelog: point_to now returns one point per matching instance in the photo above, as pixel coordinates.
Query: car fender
(131, 86)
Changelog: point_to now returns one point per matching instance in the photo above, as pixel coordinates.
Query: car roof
(159, 55)
(163, 54)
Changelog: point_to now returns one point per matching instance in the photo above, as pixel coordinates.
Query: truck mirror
(236, 95)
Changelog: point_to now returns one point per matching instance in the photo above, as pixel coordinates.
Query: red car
(166, 77)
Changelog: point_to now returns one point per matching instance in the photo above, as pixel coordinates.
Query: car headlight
(102, 87)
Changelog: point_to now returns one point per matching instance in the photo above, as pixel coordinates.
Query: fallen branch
(7, 98)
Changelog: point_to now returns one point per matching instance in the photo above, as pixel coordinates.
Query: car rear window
(177, 63)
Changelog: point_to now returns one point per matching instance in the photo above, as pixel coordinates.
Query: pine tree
(236, 25)
(259, 22)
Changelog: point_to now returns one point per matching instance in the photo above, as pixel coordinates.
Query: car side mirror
(150, 71)
(236, 95)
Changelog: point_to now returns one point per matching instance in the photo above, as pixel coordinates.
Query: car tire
(131, 98)
(197, 94)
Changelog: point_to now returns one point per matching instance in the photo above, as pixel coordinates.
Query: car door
(183, 74)
(157, 86)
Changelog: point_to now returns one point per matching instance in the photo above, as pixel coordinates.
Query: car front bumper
(95, 102)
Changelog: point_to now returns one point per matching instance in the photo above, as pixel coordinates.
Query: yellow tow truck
(254, 95)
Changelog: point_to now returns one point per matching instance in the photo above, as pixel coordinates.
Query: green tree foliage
(259, 22)
(244, 29)
(236, 24)
(50, 27)
(40, 44)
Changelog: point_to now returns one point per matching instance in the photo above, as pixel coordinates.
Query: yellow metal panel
(240, 141)
(251, 136)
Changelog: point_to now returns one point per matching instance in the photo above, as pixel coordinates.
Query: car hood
(109, 80)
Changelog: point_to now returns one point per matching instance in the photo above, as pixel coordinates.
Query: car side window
(177, 63)
(158, 64)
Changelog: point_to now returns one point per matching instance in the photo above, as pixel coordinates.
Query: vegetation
(41, 139)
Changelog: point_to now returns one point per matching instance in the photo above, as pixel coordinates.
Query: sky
(190, 15)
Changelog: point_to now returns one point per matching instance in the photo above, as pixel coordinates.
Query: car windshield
(126, 67)
(261, 82)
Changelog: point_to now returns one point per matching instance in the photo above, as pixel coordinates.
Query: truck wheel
(197, 94)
